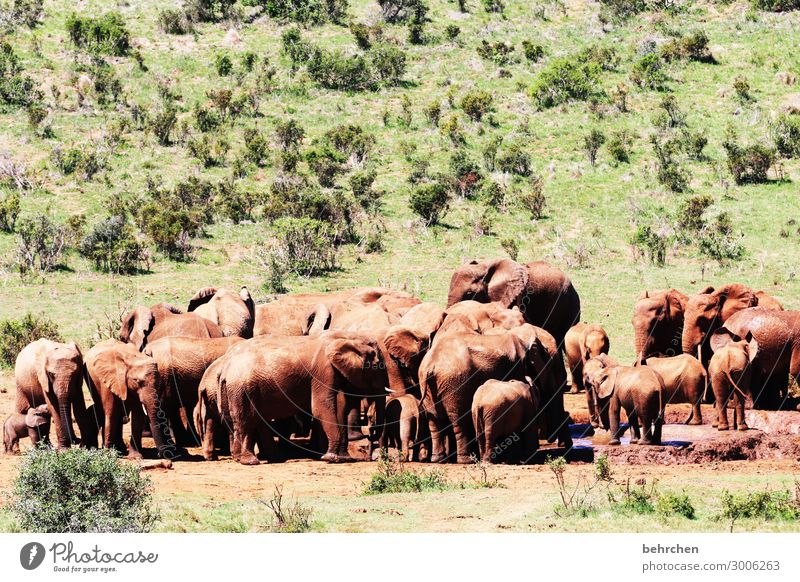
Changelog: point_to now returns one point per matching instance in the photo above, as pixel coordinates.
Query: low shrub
(452, 31)
(669, 171)
(41, 244)
(605, 57)
(307, 12)
(651, 242)
(25, 12)
(389, 63)
(82, 161)
(467, 177)
(256, 146)
(623, 9)
(513, 159)
(564, 79)
(106, 34)
(619, 146)
(776, 5)
(113, 247)
(532, 197)
(289, 134)
(288, 518)
(592, 142)
(533, 52)
(206, 119)
(173, 21)
(392, 477)
(342, 72)
(638, 498)
(477, 103)
(361, 184)
(326, 163)
(209, 149)
(351, 141)
(15, 334)
(501, 53)
(451, 128)
(690, 213)
(786, 135)
(223, 65)
(494, 6)
(748, 164)
(399, 11)
(763, 505)
(16, 88)
(234, 203)
(209, 10)
(648, 72)
(669, 504)
(82, 491)
(742, 88)
(430, 201)
(162, 122)
(294, 47)
(692, 47)
(718, 241)
(9, 211)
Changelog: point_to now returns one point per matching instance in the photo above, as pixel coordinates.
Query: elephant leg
(633, 422)
(331, 410)
(696, 417)
(738, 412)
(248, 451)
(405, 440)
(244, 433)
(722, 411)
(137, 426)
(647, 431)
(486, 441)
(576, 379)
(613, 420)
(33, 434)
(658, 424)
(530, 441)
(266, 441)
(354, 425)
(437, 430)
(464, 437)
(208, 439)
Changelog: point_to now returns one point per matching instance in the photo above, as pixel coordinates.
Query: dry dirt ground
(224, 496)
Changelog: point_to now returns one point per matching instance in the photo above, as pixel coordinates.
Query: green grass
(588, 207)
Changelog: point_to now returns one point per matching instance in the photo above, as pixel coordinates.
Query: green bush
(113, 247)
(106, 34)
(748, 164)
(25, 12)
(16, 88)
(256, 146)
(294, 47)
(398, 11)
(500, 53)
(467, 177)
(452, 31)
(304, 247)
(675, 504)
(389, 63)
(765, 505)
(78, 160)
(9, 211)
(513, 159)
(208, 10)
(206, 119)
(592, 142)
(776, 5)
(308, 12)
(533, 51)
(651, 242)
(233, 203)
(326, 163)
(224, 65)
(209, 149)
(339, 71)
(288, 518)
(669, 172)
(648, 72)
(290, 134)
(605, 57)
(174, 21)
(532, 197)
(81, 491)
(786, 135)
(690, 213)
(719, 242)
(40, 244)
(15, 334)
(622, 9)
(619, 146)
(162, 122)
(430, 201)
(392, 477)
(693, 47)
(361, 184)
(477, 103)
(564, 79)
(351, 141)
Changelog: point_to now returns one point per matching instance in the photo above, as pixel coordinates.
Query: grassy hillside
(592, 211)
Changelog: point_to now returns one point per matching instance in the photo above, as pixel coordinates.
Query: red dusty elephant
(658, 318)
(146, 324)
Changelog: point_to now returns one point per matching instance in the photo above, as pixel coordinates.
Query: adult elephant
(543, 293)
(292, 315)
(146, 324)
(182, 361)
(461, 360)
(777, 334)
(709, 309)
(325, 376)
(233, 312)
(122, 381)
(658, 318)
(49, 372)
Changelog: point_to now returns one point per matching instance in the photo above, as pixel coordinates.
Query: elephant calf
(684, 381)
(406, 428)
(584, 341)
(34, 424)
(637, 389)
(506, 409)
(731, 370)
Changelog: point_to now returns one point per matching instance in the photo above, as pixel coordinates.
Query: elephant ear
(352, 357)
(676, 302)
(317, 321)
(202, 297)
(244, 295)
(721, 338)
(112, 372)
(607, 383)
(734, 298)
(33, 419)
(507, 281)
(706, 290)
(403, 343)
(136, 326)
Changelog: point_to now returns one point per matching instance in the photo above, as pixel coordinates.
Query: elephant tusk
(389, 390)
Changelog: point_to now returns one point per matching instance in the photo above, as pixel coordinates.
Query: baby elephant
(406, 428)
(582, 342)
(35, 424)
(684, 381)
(730, 370)
(639, 390)
(505, 418)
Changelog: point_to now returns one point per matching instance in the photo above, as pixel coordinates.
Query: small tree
(430, 201)
(15, 334)
(476, 104)
(592, 143)
(40, 244)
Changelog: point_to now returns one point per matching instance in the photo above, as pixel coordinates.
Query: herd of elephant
(485, 375)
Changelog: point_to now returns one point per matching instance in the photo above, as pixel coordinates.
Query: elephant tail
(426, 378)
(477, 420)
(198, 413)
(733, 383)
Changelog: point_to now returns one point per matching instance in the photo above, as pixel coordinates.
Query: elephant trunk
(644, 342)
(64, 422)
(159, 425)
